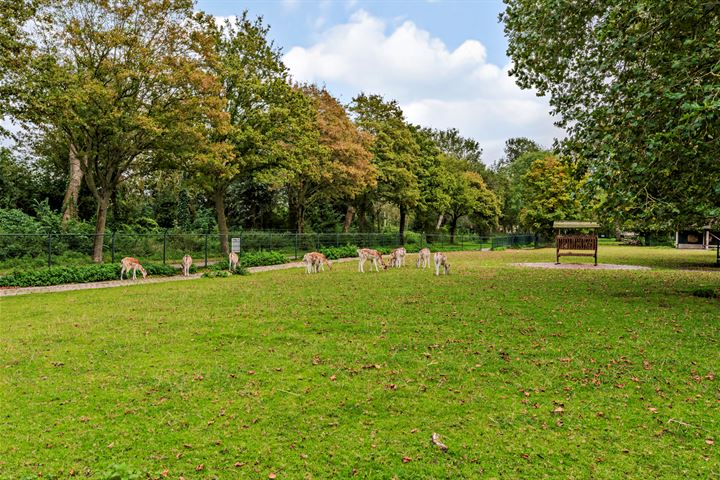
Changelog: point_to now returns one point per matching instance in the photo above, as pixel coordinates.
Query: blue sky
(444, 61)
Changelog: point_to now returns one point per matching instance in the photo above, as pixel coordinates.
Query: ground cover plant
(525, 373)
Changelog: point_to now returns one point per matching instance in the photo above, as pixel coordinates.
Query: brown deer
(186, 264)
(441, 261)
(423, 258)
(374, 256)
(316, 261)
(130, 263)
(233, 261)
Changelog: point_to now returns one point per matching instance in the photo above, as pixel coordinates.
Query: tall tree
(342, 169)
(549, 192)
(125, 82)
(469, 196)
(259, 106)
(635, 84)
(395, 151)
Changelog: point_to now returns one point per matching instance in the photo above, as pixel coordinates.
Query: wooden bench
(575, 242)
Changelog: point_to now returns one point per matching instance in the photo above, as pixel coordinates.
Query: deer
(397, 257)
(186, 264)
(423, 258)
(441, 261)
(130, 263)
(374, 256)
(232, 261)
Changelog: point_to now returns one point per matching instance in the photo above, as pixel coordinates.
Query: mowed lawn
(524, 373)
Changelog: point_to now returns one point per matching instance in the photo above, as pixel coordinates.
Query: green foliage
(257, 259)
(76, 274)
(120, 472)
(549, 193)
(635, 83)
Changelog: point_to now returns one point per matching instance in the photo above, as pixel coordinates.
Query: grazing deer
(374, 256)
(233, 261)
(423, 258)
(186, 264)
(130, 263)
(316, 261)
(441, 261)
(397, 257)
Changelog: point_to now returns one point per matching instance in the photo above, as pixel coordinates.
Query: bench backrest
(576, 242)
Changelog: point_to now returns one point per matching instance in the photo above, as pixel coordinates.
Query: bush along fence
(38, 250)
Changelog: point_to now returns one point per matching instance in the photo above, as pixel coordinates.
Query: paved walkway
(11, 291)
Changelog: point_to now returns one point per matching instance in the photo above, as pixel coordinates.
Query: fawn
(233, 261)
(423, 258)
(441, 261)
(397, 257)
(186, 264)
(316, 261)
(374, 256)
(130, 263)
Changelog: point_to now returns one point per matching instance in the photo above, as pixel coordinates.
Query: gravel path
(581, 266)
(11, 291)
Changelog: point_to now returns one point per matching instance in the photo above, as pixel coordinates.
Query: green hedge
(333, 253)
(78, 274)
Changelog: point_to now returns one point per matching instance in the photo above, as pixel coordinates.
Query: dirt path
(8, 292)
(581, 266)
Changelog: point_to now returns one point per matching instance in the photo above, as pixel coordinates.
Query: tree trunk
(222, 220)
(453, 228)
(75, 176)
(440, 221)
(348, 218)
(403, 213)
(300, 219)
(618, 232)
(100, 220)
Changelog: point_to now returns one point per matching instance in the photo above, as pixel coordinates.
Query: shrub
(75, 274)
(257, 259)
(333, 253)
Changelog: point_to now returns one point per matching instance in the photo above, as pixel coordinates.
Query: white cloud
(289, 4)
(436, 86)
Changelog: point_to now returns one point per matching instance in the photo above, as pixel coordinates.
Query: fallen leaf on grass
(200, 467)
(653, 409)
(165, 472)
(111, 445)
(238, 464)
(251, 372)
(710, 441)
(406, 459)
(333, 378)
(272, 475)
(558, 410)
(371, 365)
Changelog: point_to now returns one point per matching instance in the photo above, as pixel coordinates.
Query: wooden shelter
(568, 244)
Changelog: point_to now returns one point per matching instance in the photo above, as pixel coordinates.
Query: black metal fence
(35, 250)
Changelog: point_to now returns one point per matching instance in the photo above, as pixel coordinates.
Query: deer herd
(315, 262)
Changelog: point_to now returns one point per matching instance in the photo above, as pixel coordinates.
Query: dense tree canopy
(636, 85)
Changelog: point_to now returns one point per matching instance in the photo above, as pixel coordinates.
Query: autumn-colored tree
(340, 170)
(549, 193)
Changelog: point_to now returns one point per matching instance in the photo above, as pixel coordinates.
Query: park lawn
(525, 373)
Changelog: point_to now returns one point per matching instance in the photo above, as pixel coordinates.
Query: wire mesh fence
(37, 250)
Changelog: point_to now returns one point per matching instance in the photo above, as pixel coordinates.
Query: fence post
(206, 248)
(164, 245)
(49, 250)
(112, 248)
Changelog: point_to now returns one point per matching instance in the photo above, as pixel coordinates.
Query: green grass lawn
(525, 373)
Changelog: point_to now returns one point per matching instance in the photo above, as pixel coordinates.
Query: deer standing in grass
(233, 261)
(397, 257)
(186, 264)
(423, 258)
(130, 263)
(441, 262)
(316, 261)
(374, 256)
